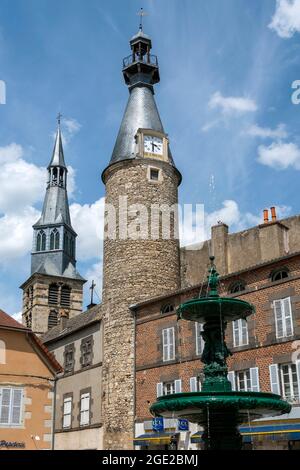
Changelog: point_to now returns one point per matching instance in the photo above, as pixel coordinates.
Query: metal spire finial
(141, 13)
(93, 285)
(59, 116)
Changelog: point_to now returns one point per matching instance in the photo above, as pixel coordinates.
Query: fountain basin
(243, 405)
(207, 309)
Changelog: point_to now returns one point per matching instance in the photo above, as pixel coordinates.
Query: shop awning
(157, 438)
(276, 432)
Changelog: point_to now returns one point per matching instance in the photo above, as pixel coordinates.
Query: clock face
(153, 145)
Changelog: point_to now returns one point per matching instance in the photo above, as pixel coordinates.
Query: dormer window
(54, 240)
(237, 286)
(41, 241)
(279, 274)
(167, 308)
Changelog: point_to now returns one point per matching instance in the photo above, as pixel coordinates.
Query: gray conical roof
(141, 112)
(58, 158)
(55, 208)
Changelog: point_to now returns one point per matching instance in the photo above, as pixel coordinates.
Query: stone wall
(239, 251)
(38, 306)
(134, 270)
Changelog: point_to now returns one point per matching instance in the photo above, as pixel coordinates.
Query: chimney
(273, 213)
(63, 319)
(266, 216)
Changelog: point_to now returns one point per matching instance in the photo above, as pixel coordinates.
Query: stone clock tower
(143, 262)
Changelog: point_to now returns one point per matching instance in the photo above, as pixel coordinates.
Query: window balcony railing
(145, 59)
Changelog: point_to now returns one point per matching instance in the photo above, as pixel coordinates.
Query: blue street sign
(158, 424)
(183, 425)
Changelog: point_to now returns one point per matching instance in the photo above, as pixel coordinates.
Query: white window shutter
(159, 389)
(278, 318)
(231, 378)
(254, 377)
(287, 309)
(5, 405)
(172, 343)
(16, 406)
(298, 377)
(165, 344)
(178, 386)
(193, 384)
(274, 379)
(235, 332)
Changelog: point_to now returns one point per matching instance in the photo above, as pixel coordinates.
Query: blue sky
(226, 68)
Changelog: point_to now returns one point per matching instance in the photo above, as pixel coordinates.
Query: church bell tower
(141, 260)
(54, 288)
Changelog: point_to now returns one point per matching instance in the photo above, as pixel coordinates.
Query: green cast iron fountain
(217, 408)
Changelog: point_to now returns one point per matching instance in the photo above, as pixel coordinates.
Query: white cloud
(265, 132)
(286, 19)
(232, 104)
(280, 155)
(10, 153)
(16, 234)
(17, 316)
(87, 221)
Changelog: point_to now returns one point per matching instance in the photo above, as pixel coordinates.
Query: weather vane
(142, 13)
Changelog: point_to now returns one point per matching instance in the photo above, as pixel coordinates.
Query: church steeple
(54, 238)
(54, 288)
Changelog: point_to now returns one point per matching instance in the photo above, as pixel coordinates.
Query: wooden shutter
(5, 405)
(178, 386)
(244, 332)
(278, 318)
(254, 378)
(231, 378)
(236, 336)
(287, 315)
(165, 344)
(193, 384)
(274, 379)
(16, 408)
(159, 389)
(171, 344)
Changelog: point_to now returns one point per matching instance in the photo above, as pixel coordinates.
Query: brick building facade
(264, 349)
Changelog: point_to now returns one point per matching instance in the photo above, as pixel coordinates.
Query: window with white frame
(2, 352)
(168, 338)
(67, 412)
(199, 339)
(289, 382)
(85, 401)
(196, 384)
(240, 332)
(168, 388)
(11, 402)
(283, 318)
(245, 380)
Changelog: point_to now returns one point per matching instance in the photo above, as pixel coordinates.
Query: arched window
(237, 286)
(52, 319)
(65, 297)
(54, 240)
(2, 352)
(53, 294)
(72, 247)
(279, 274)
(41, 241)
(167, 308)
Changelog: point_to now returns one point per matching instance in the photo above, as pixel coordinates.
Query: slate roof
(73, 324)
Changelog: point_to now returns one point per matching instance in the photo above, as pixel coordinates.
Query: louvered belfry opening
(65, 299)
(53, 294)
(52, 319)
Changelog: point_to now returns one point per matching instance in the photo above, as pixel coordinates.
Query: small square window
(154, 174)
